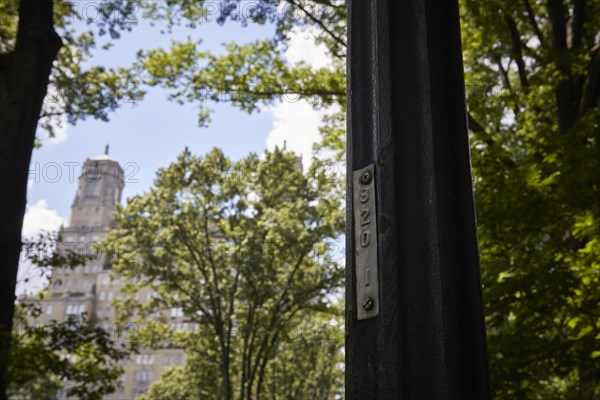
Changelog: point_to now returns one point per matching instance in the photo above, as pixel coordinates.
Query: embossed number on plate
(365, 243)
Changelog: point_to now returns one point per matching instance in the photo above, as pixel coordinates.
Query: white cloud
(38, 218)
(296, 122)
(54, 104)
(302, 47)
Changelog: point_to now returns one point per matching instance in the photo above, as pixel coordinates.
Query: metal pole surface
(414, 320)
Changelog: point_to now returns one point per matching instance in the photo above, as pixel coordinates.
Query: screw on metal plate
(368, 304)
(365, 178)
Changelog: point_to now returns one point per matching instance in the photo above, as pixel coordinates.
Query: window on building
(75, 309)
(142, 376)
(49, 309)
(176, 312)
(144, 359)
(110, 296)
(137, 392)
(102, 296)
(92, 188)
(173, 359)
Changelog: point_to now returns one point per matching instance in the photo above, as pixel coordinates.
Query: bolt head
(366, 177)
(368, 304)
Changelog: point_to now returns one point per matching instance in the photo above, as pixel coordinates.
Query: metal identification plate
(365, 243)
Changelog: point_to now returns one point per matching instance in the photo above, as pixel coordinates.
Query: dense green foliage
(532, 75)
(241, 248)
(533, 81)
(46, 355)
(78, 89)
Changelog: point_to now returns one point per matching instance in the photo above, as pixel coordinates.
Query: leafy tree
(43, 52)
(533, 82)
(44, 81)
(77, 351)
(241, 249)
(533, 71)
(39, 46)
(44, 356)
(256, 73)
(308, 366)
(305, 365)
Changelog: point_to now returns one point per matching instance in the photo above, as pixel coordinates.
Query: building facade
(91, 288)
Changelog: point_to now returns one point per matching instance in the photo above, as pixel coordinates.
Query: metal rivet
(368, 304)
(365, 178)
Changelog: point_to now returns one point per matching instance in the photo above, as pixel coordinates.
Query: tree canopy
(241, 248)
(533, 81)
(75, 356)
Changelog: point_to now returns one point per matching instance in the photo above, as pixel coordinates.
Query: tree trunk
(225, 373)
(24, 76)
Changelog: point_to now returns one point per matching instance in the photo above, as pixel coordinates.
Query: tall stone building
(92, 287)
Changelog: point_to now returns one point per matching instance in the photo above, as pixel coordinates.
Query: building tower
(99, 191)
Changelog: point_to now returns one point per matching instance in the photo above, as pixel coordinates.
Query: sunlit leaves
(240, 248)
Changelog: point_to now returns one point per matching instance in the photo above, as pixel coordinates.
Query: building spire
(106, 149)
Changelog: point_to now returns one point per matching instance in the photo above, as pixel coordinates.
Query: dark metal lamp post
(415, 327)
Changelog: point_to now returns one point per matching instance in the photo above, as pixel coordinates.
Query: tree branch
(591, 86)
(533, 22)
(564, 92)
(576, 24)
(318, 22)
(557, 17)
(517, 50)
(503, 74)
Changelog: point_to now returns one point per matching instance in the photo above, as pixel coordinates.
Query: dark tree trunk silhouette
(24, 76)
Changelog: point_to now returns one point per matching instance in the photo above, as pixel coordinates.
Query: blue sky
(149, 135)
